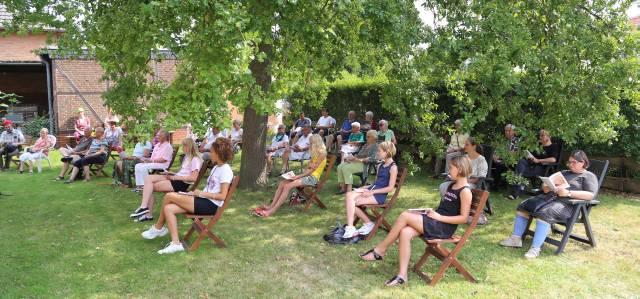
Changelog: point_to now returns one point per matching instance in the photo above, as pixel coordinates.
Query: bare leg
(405, 219)
(330, 139)
(147, 190)
(354, 199)
(284, 192)
(74, 173)
(175, 204)
(20, 167)
(269, 161)
(119, 169)
(160, 186)
(278, 192)
(65, 167)
(404, 249)
(285, 160)
(87, 173)
(30, 163)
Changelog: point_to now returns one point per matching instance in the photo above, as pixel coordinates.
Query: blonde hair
(389, 148)
(463, 164)
(193, 149)
(317, 148)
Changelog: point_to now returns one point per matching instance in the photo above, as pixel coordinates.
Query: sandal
(375, 255)
(59, 178)
(260, 213)
(396, 280)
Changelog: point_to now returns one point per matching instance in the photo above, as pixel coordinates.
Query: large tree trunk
(252, 168)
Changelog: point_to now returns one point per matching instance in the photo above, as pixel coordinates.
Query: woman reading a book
(372, 194)
(441, 223)
(169, 182)
(548, 208)
(309, 177)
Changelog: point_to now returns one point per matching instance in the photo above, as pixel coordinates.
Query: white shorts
(299, 156)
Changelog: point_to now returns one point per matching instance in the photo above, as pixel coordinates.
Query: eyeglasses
(573, 162)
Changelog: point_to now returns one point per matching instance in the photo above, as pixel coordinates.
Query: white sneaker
(349, 232)
(366, 228)
(171, 248)
(532, 253)
(153, 232)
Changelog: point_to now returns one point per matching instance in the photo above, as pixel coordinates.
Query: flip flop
(375, 255)
(397, 279)
(260, 213)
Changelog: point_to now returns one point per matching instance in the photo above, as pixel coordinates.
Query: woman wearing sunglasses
(551, 206)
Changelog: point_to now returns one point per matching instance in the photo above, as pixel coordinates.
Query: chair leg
(568, 229)
(587, 226)
(418, 266)
(454, 261)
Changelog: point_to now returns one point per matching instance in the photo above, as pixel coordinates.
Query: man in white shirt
(299, 150)
(325, 122)
(10, 142)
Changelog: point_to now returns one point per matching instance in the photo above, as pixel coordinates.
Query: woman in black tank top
(440, 223)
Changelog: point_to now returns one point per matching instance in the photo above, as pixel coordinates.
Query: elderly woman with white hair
(384, 133)
(369, 123)
(356, 139)
(39, 150)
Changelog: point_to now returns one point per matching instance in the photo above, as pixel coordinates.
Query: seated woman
(39, 150)
(384, 133)
(532, 166)
(97, 154)
(71, 155)
(279, 144)
(479, 166)
(356, 164)
(583, 184)
(178, 182)
(309, 177)
(126, 164)
(356, 139)
(205, 202)
(236, 134)
(372, 194)
(369, 123)
(440, 223)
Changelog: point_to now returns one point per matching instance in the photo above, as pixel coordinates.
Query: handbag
(533, 204)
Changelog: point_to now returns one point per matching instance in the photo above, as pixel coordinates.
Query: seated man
(11, 141)
(160, 159)
(511, 145)
(124, 166)
(300, 149)
(97, 154)
(454, 149)
(298, 125)
(279, 144)
(71, 155)
(209, 138)
(325, 123)
(343, 134)
(356, 139)
(533, 165)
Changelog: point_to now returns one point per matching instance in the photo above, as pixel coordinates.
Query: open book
(555, 181)
(288, 176)
(348, 148)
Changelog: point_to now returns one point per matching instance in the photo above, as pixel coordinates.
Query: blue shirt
(96, 144)
(346, 125)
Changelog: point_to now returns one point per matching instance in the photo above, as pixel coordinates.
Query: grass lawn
(77, 241)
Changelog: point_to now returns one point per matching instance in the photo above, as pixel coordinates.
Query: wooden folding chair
(380, 211)
(313, 196)
(201, 174)
(98, 169)
(449, 258)
(204, 230)
(580, 214)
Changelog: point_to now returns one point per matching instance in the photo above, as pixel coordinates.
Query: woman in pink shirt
(80, 124)
(39, 150)
(169, 182)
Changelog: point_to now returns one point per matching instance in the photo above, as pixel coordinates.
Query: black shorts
(204, 206)
(180, 186)
(434, 229)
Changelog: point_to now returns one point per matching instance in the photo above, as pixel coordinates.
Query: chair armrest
(580, 201)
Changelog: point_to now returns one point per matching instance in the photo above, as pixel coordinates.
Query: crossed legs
(158, 183)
